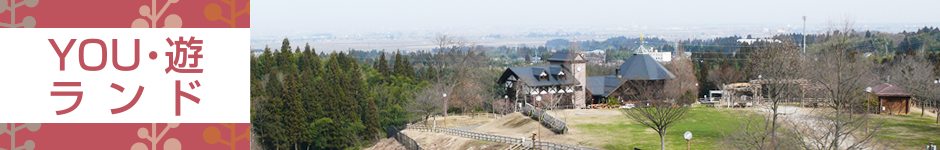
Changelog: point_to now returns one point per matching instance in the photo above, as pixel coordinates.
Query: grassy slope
(705, 124)
(910, 131)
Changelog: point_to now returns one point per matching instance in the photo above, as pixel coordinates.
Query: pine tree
(382, 64)
(431, 74)
(254, 69)
(285, 45)
(273, 108)
(409, 70)
(399, 69)
(267, 60)
(296, 116)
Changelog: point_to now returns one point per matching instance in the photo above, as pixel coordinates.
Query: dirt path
(926, 113)
(453, 121)
(805, 116)
(432, 140)
(386, 144)
(467, 127)
(518, 125)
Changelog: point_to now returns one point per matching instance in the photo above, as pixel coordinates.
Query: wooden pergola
(755, 86)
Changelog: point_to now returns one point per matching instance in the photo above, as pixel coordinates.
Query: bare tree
(723, 75)
(841, 73)
(443, 41)
(916, 75)
(456, 70)
(427, 102)
(780, 78)
(753, 132)
(660, 114)
(683, 87)
(501, 106)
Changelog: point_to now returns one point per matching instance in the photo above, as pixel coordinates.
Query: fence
(497, 138)
(405, 141)
(556, 125)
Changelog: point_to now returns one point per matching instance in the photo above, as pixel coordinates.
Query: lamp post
(507, 99)
(760, 98)
(868, 105)
(539, 103)
(688, 140)
(445, 110)
(936, 105)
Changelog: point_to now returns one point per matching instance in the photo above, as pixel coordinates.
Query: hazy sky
(325, 16)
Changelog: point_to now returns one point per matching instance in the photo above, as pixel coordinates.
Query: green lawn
(705, 124)
(910, 131)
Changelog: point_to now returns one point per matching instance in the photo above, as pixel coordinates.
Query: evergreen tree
(402, 66)
(382, 64)
(255, 70)
(267, 60)
(295, 120)
(285, 45)
(431, 74)
(409, 70)
(272, 106)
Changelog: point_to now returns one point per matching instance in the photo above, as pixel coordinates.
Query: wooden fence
(498, 138)
(556, 125)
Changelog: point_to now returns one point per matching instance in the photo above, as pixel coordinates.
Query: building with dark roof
(563, 78)
(891, 99)
(640, 68)
(566, 75)
(601, 87)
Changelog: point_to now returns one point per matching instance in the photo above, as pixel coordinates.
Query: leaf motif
(172, 21)
(144, 11)
(140, 23)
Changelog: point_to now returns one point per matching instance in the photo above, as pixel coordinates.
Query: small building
(602, 87)
(891, 99)
(656, 54)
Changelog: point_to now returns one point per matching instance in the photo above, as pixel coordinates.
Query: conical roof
(643, 67)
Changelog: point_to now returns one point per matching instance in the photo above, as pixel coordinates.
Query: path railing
(498, 138)
(556, 125)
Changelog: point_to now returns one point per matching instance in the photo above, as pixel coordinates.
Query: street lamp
(539, 103)
(445, 109)
(688, 140)
(506, 97)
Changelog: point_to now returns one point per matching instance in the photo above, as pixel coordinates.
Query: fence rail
(556, 125)
(498, 138)
(407, 142)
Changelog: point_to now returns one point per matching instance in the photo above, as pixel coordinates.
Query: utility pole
(804, 36)
(886, 46)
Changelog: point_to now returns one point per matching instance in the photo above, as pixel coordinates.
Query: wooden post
(688, 145)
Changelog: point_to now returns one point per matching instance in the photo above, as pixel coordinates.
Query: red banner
(134, 136)
(125, 14)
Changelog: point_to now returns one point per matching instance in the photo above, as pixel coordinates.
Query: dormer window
(543, 75)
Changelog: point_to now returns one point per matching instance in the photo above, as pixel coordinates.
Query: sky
(326, 16)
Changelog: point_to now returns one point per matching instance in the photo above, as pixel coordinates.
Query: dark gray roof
(564, 57)
(602, 85)
(643, 67)
(529, 75)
